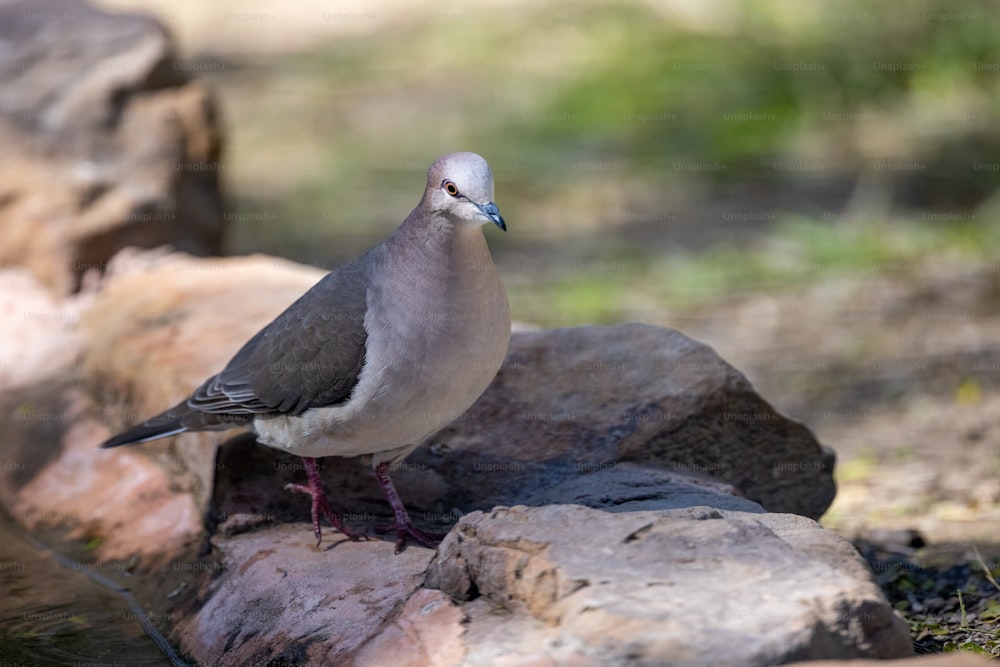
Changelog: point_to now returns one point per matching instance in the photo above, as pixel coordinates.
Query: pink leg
(319, 501)
(402, 524)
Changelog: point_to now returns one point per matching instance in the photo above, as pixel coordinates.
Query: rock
(151, 502)
(659, 587)
(427, 632)
(590, 445)
(107, 142)
(312, 608)
(162, 323)
(41, 334)
(575, 401)
(154, 332)
(51, 474)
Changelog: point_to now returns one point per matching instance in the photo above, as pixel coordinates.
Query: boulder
(685, 586)
(596, 448)
(571, 402)
(313, 608)
(107, 141)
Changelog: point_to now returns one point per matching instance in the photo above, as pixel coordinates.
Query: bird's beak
(492, 214)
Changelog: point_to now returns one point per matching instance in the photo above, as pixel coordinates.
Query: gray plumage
(380, 353)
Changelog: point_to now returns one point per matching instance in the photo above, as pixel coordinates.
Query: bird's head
(461, 186)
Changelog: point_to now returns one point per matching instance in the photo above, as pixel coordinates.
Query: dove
(377, 356)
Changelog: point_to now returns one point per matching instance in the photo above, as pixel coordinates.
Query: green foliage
(798, 251)
(592, 109)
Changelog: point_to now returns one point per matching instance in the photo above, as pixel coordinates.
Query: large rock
(597, 444)
(694, 585)
(571, 402)
(107, 142)
(268, 608)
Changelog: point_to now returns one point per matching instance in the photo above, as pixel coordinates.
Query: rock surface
(571, 402)
(628, 476)
(107, 142)
(694, 585)
(313, 608)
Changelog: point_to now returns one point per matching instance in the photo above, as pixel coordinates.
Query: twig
(986, 570)
(961, 605)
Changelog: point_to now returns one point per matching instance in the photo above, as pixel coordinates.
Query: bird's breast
(438, 329)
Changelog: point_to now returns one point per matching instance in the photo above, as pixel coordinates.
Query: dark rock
(569, 403)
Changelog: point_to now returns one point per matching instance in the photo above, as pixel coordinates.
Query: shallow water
(53, 613)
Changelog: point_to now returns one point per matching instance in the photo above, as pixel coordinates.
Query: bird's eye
(450, 188)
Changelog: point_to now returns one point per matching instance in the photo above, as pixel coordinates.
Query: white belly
(402, 407)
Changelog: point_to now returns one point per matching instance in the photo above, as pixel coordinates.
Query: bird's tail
(162, 425)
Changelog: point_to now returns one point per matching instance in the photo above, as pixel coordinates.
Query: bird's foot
(405, 527)
(402, 523)
(320, 505)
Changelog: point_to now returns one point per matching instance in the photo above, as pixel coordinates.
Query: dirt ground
(897, 372)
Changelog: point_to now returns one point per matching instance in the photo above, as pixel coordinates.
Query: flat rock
(696, 585)
(265, 607)
(107, 141)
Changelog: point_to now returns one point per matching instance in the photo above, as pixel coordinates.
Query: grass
(597, 111)
(950, 606)
(798, 251)
(590, 121)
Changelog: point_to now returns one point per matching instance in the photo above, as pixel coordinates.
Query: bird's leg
(319, 501)
(402, 522)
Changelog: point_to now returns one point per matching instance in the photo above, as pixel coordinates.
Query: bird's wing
(309, 356)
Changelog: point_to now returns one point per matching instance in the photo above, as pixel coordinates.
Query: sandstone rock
(51, 474)
(40, 334)
(428, 632)
(107, 143)
(678, 586)
(162, 323)
(276, 599)
(149, 502)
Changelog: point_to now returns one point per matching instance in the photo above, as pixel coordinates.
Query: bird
(377, 356)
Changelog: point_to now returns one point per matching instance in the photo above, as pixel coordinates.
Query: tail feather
(143, 433)
(178, 419)
(162, 425)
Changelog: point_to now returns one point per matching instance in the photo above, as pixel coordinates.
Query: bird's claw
(320, 506)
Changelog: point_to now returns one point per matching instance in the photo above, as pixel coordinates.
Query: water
(52, 613)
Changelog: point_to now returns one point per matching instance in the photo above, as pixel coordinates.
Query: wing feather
(310, 356)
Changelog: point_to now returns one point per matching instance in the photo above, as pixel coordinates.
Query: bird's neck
(442, 255)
